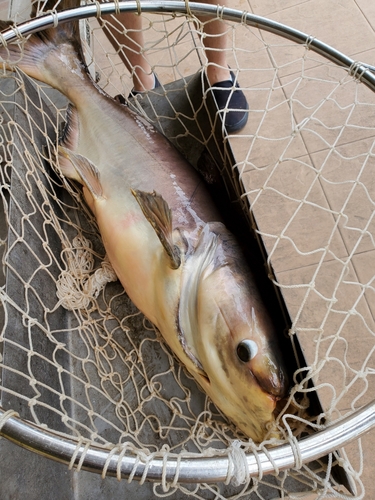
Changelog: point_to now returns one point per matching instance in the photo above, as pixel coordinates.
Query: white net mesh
(77, 356)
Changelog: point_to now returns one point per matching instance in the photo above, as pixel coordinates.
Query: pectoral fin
(80, 168)
(158, 213)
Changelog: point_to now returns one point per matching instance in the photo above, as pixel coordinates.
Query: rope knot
(78, 285)
(238, 469)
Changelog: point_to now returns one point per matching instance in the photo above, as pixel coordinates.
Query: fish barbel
(163, 236)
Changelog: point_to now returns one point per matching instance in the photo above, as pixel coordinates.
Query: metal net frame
(84, 376)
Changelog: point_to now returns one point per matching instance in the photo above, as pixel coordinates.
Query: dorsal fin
(157, 212)
(70, 134)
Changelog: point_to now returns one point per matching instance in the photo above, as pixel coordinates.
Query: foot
(232, 104)
(134, 92)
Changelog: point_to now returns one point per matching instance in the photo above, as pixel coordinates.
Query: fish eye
(247, 350)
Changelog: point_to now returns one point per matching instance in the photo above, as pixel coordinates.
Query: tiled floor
(292, 201)
(4, 9)
(348, 26)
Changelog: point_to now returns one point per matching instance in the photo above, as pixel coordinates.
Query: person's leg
(125, 31)
(131, 42)
(215, 43)
(228, 96)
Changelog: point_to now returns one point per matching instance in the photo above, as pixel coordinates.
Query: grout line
(364, 15)
(266, 14)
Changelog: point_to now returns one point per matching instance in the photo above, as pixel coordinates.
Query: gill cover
(200, 259)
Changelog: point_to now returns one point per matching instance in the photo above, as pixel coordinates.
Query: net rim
(362, 71)
(184, 468)
(83, 454)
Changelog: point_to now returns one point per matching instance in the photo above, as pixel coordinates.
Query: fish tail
(43, 53)
(63, 32)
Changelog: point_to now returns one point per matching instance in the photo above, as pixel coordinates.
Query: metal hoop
(188, 468)
(195, 8)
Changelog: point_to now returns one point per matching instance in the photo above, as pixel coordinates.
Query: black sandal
(133, 92)
(232, 104)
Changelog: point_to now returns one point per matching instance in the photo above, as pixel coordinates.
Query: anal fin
(157, 212)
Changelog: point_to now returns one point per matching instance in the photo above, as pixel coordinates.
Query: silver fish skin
(163, 236)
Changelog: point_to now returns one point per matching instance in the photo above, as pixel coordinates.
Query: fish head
(243, 327)
(236, 345)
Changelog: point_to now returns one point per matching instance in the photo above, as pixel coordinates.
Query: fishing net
(77, 358)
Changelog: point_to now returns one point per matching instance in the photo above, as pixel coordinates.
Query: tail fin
(38, 56)
(62, 33)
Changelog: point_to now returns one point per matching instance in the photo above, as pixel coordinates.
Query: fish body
(163, 236)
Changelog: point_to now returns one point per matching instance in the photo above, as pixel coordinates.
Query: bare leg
(131, 42)
(231, 101)
(215, 44)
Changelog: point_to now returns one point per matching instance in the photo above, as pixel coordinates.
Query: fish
(164, 237)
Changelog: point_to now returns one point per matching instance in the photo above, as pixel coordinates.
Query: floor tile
(336, 345)
(368, 10)
(292, 214)
(365, 56)
(329, 107)
(307, 17)
(19, 10)
(269, 134)
(360, 454)
(364, 264)
(346, 176)
(266, 7)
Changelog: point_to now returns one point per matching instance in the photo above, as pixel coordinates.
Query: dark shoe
(231, 103)
(133, 92)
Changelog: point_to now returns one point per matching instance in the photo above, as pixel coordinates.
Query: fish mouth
(270, 376)
(271, 380)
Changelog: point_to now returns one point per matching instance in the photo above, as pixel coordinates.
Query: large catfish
(163, 236)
